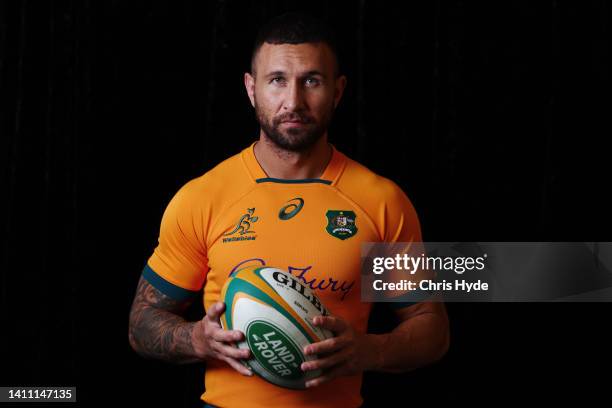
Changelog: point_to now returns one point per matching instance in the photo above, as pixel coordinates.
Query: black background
(492, 116)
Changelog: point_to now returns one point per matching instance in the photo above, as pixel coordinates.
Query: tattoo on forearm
(156, 328)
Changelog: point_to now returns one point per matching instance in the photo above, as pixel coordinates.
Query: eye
(312, 81)
(277, 80)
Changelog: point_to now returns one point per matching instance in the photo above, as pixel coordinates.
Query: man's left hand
(347, 353)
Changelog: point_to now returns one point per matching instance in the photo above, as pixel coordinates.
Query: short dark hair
(296, 28)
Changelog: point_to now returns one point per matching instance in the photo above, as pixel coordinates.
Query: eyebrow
(306, 74)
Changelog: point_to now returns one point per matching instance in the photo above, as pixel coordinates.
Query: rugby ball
(274, 310)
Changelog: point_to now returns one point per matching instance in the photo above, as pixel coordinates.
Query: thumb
(215, 310)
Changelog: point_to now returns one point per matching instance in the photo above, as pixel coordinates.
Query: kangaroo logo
(244, 224)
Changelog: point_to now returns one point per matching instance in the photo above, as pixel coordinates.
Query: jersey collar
(330, 175)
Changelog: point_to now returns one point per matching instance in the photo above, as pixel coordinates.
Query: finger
(233, 352)
(236, 365)
(326, 346)
(215, 310)
(227, 336)
(333, 323)
(212, 323)
(326, 362)
(228, 350)
(328, 376)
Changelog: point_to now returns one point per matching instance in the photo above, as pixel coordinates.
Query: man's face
(294, 91)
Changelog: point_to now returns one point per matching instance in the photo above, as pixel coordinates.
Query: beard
(293, 139)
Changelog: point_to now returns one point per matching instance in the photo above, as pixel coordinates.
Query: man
(292, 201)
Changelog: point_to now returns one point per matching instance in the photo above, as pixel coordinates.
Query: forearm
(163, 335)
(414, 343)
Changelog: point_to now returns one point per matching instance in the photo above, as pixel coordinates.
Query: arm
(421, 337)
(157, 330)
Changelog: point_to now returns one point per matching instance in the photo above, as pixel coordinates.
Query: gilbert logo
(299, 288)
(290, 210)
(243, 228)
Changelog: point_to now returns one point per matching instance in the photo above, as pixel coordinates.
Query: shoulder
(384, 202)
(364, 185)
(212, 186)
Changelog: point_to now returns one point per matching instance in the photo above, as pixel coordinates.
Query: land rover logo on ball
(274, 350)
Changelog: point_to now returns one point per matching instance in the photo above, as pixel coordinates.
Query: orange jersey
(235, 215)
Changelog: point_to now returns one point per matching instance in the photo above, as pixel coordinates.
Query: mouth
(293, 123)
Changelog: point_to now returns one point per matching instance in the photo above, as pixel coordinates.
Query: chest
(313, 232)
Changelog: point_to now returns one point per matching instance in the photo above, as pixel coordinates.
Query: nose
(294, 100)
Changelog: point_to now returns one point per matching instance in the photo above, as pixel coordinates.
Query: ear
(339, 89)
(249, 84)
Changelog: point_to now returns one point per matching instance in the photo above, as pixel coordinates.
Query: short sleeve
(179, 263)
(402, 226)
(401, 220)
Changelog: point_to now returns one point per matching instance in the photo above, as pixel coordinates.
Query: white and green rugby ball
(274, 310)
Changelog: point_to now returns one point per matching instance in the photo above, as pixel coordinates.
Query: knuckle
(331, 362)
(338, 360)
(214, 347)
(230, 351)
(215, 354)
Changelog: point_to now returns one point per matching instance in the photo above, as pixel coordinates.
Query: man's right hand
(158, 330)
(210, 340)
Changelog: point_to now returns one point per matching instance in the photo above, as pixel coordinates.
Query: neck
(284, 164)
